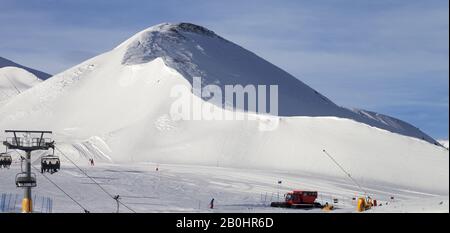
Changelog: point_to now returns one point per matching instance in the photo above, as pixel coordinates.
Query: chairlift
(5, 160)
(24, 181)
(50, 163)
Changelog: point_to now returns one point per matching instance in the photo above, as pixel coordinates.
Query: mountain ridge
(14, 81)
(40, 74)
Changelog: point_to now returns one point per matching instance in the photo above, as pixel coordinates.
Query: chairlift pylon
(30, 141)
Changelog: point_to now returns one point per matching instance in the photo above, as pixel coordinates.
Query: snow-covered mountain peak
(172, 30)
(194, 51)
(179, 27)
(184, 27)
(175, 43)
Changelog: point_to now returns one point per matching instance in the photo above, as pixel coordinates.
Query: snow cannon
(361, 206)
(364, 204)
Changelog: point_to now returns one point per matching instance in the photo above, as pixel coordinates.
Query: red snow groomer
(298, 199)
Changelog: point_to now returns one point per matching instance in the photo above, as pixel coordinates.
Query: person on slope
(211, 204)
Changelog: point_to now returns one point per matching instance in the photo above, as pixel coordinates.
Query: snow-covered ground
(189, 188)
(444, 143)
(419, 205)
(13, 81)
(8, 63)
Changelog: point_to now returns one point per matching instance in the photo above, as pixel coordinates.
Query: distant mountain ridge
(14, 80)
(41, 75)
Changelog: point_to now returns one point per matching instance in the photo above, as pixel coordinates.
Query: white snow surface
(8, 63)
(114, 108)
(13, 81)
(189, 188)
(444, 143)
(420, 205)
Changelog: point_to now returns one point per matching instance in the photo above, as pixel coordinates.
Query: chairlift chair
(50, 163)
(23, 180)
(5, 160)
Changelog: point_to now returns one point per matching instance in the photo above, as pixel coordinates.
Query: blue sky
(387, 56)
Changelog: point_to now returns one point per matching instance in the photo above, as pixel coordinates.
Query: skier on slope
(211, 204)
(92, 162)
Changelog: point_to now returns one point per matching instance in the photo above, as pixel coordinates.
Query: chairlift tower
(27, 141)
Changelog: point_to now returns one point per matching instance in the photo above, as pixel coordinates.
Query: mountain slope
(116, 107)
(444, 143)
(195, 51)
(400, 126)
(15, 80)
(41, 75)
(192, 51)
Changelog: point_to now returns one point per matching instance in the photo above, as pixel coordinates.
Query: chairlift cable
(22, 158)
(15, 87)
(62, 190)
(343, 170)
(93, 180)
